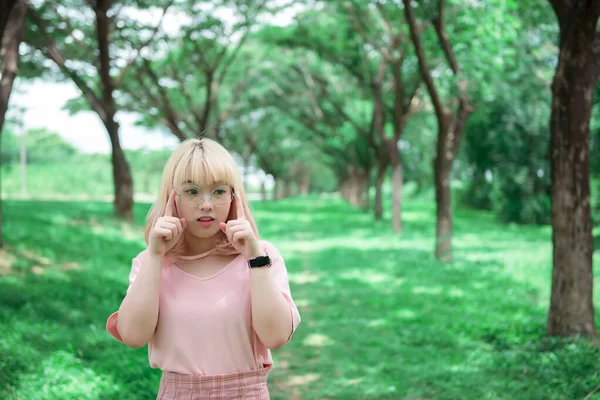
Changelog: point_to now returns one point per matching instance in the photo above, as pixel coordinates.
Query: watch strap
(260, 261)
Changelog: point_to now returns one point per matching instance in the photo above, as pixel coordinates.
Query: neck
(195, 245)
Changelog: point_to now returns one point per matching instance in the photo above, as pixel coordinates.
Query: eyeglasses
(192, 196)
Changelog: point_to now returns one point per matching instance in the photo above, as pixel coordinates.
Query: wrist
(254, 252)
(253, 255)
(154, 255)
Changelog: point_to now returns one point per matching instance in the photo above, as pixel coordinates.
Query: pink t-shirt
(205, 324)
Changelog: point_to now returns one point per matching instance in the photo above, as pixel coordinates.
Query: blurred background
(435, 195)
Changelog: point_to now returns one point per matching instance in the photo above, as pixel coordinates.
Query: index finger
(241, 214)
(170, 208)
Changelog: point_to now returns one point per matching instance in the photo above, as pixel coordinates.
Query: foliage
(508, 137)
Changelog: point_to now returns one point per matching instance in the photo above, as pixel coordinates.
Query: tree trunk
(246, 161)
(442, 166)
(263, 189)
(278, 189)
(304, 185)
(23, 164)
(354, 187)
(381, 168)
(123, 183)
(397, 181)
(451, 126)
(6, 7)
(287, 189)
(12, 24)
(571, 309)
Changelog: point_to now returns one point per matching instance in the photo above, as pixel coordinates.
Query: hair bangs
(202, 168)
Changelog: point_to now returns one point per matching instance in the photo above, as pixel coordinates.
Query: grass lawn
(381, 318)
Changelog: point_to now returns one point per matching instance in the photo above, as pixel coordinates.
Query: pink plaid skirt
(251, 385)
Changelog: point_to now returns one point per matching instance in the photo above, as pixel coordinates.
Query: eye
(191, 192)
(219, 192)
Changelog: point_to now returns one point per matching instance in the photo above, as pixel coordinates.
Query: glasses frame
(202, 194)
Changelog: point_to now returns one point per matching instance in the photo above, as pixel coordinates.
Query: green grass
(382, 319)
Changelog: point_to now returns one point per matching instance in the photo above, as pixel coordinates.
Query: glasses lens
(191, 195)
(221, 196)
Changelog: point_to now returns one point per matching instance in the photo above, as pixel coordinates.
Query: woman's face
(204, 207)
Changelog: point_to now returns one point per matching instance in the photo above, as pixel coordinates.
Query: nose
(205, 202)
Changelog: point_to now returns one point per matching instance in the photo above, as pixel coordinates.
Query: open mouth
(205, 221)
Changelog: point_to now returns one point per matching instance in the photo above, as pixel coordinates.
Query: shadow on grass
(409, 327)
(381, 318)
(52, 320)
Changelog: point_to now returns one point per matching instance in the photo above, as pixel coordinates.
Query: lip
(206, 223)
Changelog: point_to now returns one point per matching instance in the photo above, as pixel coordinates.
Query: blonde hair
(205, 162)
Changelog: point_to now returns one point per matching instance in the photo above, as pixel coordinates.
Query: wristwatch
(260, 261)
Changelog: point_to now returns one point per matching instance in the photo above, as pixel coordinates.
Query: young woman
(208, 297)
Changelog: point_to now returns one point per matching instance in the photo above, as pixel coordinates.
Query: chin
(205, 233)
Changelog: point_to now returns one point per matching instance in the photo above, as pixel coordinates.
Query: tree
(451, 125)
(391, 46)
(181, 88)
(9, 53)
(571, 307)
(61, 32)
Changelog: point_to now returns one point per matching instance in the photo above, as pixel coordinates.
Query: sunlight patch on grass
(317, 340)
(7, 259)
(303, 277)
(427, 290)
(349, 242)
(35, 257)
(376, 323)
(372, 277)
(406, 314)
(302, 303)
(62, 375)
(302, 379)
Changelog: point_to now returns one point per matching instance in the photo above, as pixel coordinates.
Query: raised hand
(240, 233)
(167, 230)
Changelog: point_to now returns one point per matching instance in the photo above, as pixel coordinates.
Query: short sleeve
(280, 274)
(111, 323)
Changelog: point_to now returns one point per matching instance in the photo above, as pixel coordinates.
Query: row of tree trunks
(354, 187)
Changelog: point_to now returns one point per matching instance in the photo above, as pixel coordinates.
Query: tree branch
(440, 110)
(102, 33)
(167, 108)
(138, 51)
(174, 73)
(438, 23)
(51, 52)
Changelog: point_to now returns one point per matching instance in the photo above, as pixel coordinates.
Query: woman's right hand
(167, 230)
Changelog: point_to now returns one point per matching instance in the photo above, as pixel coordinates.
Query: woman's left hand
(240, 233)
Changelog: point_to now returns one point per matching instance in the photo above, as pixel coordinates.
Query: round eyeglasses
(192, 195)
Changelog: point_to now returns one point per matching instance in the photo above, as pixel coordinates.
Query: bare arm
(138, 313)
(271, 316)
